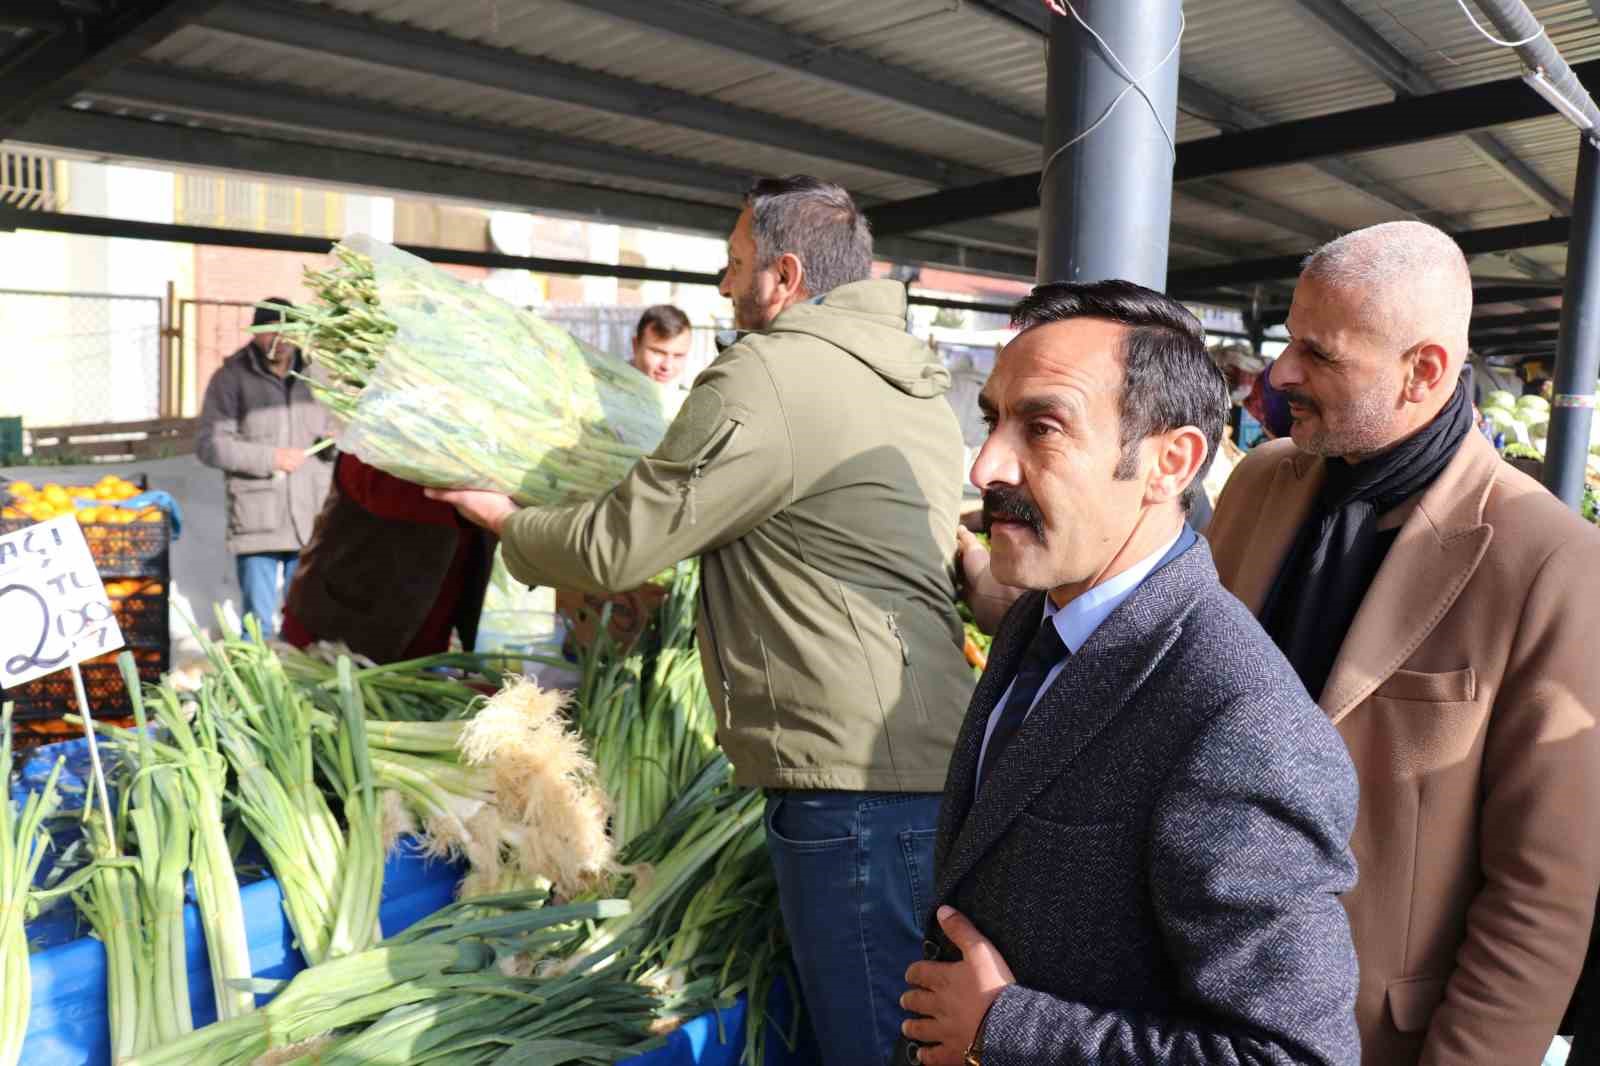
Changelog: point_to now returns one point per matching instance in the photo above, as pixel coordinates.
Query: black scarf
(1334, 559)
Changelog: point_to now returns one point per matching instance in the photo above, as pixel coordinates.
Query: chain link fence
(69, 358)
(212, 330)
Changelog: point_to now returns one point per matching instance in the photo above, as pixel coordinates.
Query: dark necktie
(1046, 650)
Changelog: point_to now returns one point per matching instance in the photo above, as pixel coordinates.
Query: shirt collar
(1077, 621)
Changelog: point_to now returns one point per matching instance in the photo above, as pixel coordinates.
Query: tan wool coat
(1467, 691)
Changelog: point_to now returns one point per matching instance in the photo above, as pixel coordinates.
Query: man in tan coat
(1441, 607)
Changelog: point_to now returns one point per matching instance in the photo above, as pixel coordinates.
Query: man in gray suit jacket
(1146, 823)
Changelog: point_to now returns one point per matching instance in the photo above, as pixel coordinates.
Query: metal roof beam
(1230, 115)
(275, 107)
(1502, 293)
(367, 40)
(1397, 71)
(1239, 202)
(260, 104)
(1368, 46)
(718, 27)
(124, 138)
(1472, 242)
(172, 143)
(1487, 323)
(1403, 121)
(12, 218)
(83, 49)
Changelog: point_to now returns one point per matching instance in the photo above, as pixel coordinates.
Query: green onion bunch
(444, 384)
(23, 843)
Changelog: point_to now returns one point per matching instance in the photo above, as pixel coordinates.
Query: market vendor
(387, 571)
(815, 468)
(661, 343)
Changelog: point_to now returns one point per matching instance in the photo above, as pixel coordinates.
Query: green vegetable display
(444, 384)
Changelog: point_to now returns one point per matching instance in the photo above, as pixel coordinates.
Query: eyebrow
(1042, 405)
(1050, 403)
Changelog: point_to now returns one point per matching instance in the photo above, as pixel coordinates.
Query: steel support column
(1578, 352)
(1107, 199)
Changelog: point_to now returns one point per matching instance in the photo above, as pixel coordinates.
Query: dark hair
(271, 311)
(817, 222)
(1168, 378)
(667, 320)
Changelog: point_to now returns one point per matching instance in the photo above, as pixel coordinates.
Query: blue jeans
(855, 880)
(258, 586)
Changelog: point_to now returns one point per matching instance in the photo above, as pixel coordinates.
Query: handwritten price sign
(54, 612)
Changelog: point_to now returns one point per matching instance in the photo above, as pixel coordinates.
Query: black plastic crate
(142, 618)
(52, 696)
(132, 549)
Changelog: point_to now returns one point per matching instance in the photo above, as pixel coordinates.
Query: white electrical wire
(1135, 84)
(1465, 10)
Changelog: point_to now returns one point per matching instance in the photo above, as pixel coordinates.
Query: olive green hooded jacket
(815, 468)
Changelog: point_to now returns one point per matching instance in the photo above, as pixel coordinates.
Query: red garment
(389, 497)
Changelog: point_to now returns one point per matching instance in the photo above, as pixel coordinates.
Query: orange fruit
(150, 514)
(22, 488)
(56, 496)
(88, 515)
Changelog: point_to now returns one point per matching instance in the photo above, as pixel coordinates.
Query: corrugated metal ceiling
(1270, 57)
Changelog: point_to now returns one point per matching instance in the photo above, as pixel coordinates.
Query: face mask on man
(1275, 408)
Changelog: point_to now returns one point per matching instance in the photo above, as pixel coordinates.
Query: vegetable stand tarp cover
(68, 1025)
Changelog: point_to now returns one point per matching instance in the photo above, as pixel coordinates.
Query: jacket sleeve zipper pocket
(900, 638)
(697, 471)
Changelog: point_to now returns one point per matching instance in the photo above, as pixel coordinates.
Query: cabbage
(1499, 398)
(1500, 418)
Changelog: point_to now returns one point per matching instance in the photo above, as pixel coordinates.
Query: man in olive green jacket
(815, 468)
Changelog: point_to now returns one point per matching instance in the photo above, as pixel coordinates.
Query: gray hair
(815, 221)
(1412, 278)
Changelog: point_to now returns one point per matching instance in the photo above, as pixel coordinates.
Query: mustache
(1004, 504)
(1299, 399)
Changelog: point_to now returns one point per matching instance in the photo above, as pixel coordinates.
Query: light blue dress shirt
(1077, 621)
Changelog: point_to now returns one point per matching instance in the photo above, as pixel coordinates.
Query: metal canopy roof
(1332, 114)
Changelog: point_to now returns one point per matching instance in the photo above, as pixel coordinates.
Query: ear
(791, 275)
(1430, 368)
(1178, 456)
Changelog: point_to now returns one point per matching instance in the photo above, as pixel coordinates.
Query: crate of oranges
(130, 547)
(126, 542)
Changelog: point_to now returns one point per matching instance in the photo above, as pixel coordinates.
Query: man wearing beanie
(257, 422)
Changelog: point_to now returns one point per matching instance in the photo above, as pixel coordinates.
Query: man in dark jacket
(256, 424)
(1147, 820)
(815, 470)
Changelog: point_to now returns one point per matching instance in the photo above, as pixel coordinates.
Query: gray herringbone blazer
(1158, 854)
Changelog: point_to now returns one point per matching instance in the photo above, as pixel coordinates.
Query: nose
(996, 464)
(725, 283)
(1286, 371)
